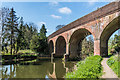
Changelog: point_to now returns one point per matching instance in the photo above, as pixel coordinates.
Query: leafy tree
(114, 44)
(37, 44)
(88, 46)
(59, 26)
(11, 29)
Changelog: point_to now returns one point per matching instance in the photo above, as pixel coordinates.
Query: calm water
(45, 69)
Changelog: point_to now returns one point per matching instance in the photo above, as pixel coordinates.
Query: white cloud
(57, 17)
(54, 3)
(65, 10)
(39, 24)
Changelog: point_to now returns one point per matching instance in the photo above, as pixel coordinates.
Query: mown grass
(89, 68)
(114, 63)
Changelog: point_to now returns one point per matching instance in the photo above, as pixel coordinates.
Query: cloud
(39, 24)
(57, 17)
(55, 3)
(91, 2)
(65, 10)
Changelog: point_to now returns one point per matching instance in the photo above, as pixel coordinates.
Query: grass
(26, 51)
(89, 68)
(114, 63)
(21, 51)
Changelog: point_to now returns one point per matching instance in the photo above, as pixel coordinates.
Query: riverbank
(89, 68)
(113, 62)
(21, 58)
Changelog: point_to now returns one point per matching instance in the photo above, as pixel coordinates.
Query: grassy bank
(114, 63)
(89, 68)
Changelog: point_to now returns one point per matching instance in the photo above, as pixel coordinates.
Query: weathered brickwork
(100, 23)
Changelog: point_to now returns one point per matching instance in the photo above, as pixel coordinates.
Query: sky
(52, 13)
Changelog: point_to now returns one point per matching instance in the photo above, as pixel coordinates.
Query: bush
(89, 68)
(114, 63)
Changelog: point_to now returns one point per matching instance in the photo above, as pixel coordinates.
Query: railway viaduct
(101, 23)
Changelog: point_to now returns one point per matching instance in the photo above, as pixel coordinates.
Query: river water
(45, 69)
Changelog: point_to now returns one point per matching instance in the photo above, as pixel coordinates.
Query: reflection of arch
(76, 41)
(113, 26)
(51, 47)
(60, 46)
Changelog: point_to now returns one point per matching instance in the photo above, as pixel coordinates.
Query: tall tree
(11, 29)
(4, 14)
(43, 32)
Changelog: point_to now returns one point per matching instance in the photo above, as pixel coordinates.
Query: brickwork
(100, 23)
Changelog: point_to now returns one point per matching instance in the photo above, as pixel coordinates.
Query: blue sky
(52, 13)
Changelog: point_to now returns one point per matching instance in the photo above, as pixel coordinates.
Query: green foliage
(26, 51)
(87, 47)
(38, 45)
(11, 29)
(43, 32)
(114, 63)
(89, 68)
(114, 45)
(21, 36)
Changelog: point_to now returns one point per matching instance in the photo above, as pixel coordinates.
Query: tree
(88, 46)
(11, 29)
(59, 26)
(43, 32)
(3, 17)
(114, 44)
(37, 44)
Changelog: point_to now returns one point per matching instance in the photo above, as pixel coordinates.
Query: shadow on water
(38, 69)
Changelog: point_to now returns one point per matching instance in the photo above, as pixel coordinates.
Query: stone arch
(60, 46)
(76, 41)
(113, 26)
(51, 47)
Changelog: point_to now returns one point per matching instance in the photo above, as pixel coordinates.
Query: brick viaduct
(101, 23)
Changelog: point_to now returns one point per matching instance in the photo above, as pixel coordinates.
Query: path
(108, 73)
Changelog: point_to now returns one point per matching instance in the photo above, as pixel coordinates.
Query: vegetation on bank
(114, 63)
(89, 68)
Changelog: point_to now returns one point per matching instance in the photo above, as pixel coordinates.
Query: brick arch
(75, 41)
(113, 26)
(60, 46)
(82, 27)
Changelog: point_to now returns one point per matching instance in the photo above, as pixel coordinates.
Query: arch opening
(107, 32)
(51, 47)
(60, 47)
(114, 43)
(77, 44)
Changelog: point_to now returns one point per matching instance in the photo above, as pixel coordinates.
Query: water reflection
(55, 69)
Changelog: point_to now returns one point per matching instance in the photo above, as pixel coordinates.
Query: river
(45, 69)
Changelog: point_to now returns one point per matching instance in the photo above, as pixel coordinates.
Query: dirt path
(108, 73)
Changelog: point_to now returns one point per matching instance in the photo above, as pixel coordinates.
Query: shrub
(114, 63)
(89, 68)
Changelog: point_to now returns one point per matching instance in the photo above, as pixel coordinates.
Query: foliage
(11, 29)
(114, 45)
(43, 32)
(113, 62)
(20, 36)
(89, 68)
(59, 26)
(38, 42)
(26, 51)
(87, 47)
